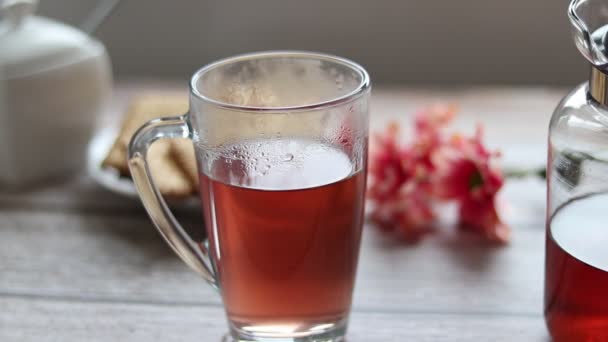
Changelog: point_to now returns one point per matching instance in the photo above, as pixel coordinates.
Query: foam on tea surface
(279, 164)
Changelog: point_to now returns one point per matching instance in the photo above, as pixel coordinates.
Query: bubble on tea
(272, 164)
(288, 157)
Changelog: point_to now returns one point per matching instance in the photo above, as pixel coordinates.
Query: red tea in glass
(284, 230)
(576, 279)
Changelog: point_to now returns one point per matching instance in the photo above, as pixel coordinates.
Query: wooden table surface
(78, 262)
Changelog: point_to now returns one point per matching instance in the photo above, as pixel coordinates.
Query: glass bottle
(576, 263)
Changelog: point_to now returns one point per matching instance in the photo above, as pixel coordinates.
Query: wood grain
(113, 258)
(51, 320)
(80, 263)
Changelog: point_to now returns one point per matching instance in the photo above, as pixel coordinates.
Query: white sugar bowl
(54, 81)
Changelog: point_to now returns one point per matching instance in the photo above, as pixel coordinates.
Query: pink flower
(429, 124)
(428, 135)
(407, 179)
(386, 169)
(410, 213)
(465, 173)
(401, 198)
(481, 216)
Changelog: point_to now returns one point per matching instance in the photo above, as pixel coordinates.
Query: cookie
(166, 173)
(182, 151)
(172, 179)
(143, 109)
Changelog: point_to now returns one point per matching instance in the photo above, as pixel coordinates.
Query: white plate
(107, 177)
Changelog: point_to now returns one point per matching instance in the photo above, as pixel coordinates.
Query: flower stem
(519, 173)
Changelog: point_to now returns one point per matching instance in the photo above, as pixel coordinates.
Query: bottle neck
(598, 86)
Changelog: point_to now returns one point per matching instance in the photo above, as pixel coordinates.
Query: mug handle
(195, 255)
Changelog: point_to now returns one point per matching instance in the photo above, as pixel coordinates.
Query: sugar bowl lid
(32, 44)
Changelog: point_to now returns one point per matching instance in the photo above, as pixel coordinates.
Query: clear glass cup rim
(361, 87)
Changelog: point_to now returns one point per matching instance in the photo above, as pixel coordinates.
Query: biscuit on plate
(182, 151)
(172, 179)
(167, 174)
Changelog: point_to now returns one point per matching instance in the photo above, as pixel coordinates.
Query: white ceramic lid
(31, 44)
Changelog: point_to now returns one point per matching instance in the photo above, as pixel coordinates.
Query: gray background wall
(399, 41)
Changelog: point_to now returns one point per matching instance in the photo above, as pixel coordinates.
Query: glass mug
(281, 147)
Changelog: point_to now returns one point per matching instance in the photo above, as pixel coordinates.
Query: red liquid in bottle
(284, 228)
(576, 278)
